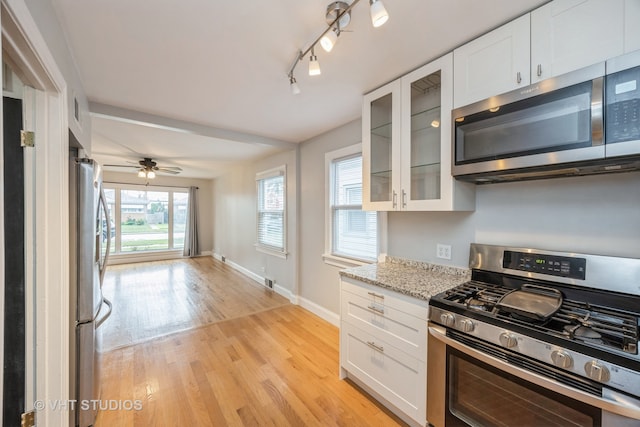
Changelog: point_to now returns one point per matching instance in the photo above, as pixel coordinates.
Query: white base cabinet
(383, 346)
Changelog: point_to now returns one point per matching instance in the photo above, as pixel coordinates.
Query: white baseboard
(316, 309)
(149, 256)
(320, 311)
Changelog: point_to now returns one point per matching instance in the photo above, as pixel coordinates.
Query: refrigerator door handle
(106, 316)
(103, 265)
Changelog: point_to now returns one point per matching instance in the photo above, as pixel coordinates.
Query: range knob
(508, 340)
(467, 325)
(561, 359)
(448, 319)
(596, 371)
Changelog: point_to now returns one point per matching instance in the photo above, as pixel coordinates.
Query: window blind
(271, 206)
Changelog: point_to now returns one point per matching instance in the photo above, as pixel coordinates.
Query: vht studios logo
(87, 405)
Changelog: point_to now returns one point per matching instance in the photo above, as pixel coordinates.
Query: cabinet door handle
(395, 198)
(539, 70)
(375, 347)
(518, 77)
(404, 199)
(373, 294)
(376, 309)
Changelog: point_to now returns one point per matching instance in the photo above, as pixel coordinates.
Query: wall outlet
(443, 251)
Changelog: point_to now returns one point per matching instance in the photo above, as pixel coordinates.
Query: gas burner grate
(474, 289)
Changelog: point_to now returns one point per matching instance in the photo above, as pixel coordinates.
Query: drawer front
(405, 331)
(387, 298)
(396, 376)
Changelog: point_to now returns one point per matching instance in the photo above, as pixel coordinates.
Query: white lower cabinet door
(393, 374)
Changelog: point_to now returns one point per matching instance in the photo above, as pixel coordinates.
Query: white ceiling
(220, 67)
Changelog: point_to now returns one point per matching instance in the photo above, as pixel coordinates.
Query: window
(271, 230)
(353, 235)
(144, 220)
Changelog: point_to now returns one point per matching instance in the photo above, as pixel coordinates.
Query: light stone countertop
(414, 278)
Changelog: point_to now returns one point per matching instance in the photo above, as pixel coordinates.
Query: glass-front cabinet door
(381, 148)
(407, 144)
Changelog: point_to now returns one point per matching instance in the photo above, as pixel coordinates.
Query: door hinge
(28, 419)
(27, 138)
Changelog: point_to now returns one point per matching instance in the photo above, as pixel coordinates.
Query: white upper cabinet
(570, 34)
(407, 144)
(494, 63)
(557, 38)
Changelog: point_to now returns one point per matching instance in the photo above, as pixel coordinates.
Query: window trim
(328, 256)
(267, 249)
(118, 187)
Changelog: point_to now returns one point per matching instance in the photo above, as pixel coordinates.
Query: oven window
(481, 395)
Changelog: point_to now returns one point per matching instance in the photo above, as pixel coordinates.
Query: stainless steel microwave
(583, 122)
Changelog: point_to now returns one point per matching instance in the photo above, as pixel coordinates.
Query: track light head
(314, 65)
(378, 12)
(295, 89)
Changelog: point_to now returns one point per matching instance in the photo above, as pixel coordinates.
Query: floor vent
(268, 283)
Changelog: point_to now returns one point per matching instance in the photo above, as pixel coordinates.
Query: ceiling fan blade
(171, 171)
(123, 166)
(175, 168)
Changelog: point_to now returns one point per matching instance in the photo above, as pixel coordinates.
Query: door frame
(34, 63)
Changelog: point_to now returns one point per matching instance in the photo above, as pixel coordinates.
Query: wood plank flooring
(158, 298)
(262, 366)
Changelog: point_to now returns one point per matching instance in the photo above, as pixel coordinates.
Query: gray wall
(319, 282)
(235, 221)
(205, 200)
(595, 214)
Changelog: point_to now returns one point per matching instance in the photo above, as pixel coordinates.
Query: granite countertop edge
(418, 279)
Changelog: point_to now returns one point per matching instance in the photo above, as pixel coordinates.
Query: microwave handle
(597, 120)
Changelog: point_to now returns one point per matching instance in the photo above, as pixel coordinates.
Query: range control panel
(553, 265)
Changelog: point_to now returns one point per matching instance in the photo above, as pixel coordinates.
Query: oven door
(469, 387)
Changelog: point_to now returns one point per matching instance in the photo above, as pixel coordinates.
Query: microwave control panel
(623, 106)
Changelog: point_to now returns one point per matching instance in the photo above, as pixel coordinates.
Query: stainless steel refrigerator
(90, 230)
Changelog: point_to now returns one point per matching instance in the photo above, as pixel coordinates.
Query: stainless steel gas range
(536, 338)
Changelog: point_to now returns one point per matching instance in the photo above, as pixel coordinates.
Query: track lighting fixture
(314, 65)
(338, 16)
(295, 89)
(379, 14)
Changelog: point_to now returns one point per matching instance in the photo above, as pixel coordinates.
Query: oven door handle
(626, 408)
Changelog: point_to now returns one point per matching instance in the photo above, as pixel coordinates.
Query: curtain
(191, 248)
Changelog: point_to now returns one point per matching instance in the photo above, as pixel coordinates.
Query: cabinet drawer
(405, 331)
(386, 298)
(392, 373)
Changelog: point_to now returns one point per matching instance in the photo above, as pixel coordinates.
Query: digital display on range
(574, 268)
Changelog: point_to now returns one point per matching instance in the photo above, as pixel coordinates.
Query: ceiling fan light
(314, 65)
(329, 40)
(151, 174)
(379, 14)
(142, 174)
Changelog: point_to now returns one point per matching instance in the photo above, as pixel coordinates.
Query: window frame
(262, 247)
(329, 256)
(117, 217)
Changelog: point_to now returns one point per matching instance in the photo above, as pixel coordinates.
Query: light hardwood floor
(269, 364)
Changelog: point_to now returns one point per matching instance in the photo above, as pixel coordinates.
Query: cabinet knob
(395, 198)
(404, 199)
(539, 70)
(518, 77)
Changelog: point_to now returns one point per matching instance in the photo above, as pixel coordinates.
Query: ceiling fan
(147, 168)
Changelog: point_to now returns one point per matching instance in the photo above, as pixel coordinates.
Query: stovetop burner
(590, 324)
